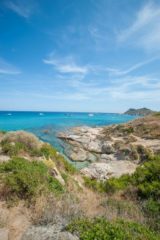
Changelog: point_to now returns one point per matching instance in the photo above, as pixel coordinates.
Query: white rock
(102, 171)
(94, 146)
(4, 158)
(4, 234)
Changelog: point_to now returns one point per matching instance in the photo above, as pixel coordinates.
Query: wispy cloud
(118, 72)
(65, 65)
(135, 88)
(21, 7)
(7, 68)
(145, 29)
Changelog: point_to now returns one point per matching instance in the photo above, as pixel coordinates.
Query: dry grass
(16, 219)
(28, 139)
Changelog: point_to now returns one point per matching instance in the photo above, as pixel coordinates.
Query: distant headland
(139, 112)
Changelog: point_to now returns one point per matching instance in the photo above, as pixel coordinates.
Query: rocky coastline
(113, 150)
(42, 194)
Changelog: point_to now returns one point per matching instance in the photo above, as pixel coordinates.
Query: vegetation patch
(26, 180)
(101, 229)
(143, 187)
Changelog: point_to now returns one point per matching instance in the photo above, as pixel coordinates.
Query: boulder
(103, 171)
(107, 148)
(94, 146)
(106, 157)
(78, 155)
(4, 158)
(97, 171)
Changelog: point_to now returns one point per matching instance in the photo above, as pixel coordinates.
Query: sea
(46, 125)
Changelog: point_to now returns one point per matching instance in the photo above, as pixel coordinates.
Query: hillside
(139, 112)
(45, 197)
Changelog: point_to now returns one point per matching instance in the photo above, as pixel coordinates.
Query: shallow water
(53, 122)
(46, 124)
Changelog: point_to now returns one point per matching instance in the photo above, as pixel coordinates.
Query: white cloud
(145, 29)
(21, 7)
(7, 68)
(65, 65)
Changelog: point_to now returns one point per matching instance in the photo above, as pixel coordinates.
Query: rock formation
(113, 150)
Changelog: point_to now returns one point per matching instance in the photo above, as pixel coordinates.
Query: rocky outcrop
(102, 171)
(113, 150)
(47, 232)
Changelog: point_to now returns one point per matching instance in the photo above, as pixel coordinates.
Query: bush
(25, 180)
(28, 139)
(101, 229)
(12, 149)
(110, 185)
(151, 209)
(128, 130)
(147, 179)
(15, 148)
(115, 184)
(95, 185)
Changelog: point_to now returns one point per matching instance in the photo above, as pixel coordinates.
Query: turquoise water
(54, 122)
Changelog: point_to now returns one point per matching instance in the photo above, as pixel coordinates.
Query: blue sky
(79, 55)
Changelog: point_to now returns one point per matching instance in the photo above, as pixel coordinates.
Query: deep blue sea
(53, 122)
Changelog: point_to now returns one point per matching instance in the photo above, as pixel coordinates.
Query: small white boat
(41, 114)
(90, 114)
(9, 114)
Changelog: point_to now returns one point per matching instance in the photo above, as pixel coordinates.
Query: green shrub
(115, 184)
(101, 229)
(25, 180)
(147, 179)
(95, 185)
(48, 151)
(151, 209)
(54, 185)
(13, 149)
(128, 130)
(108, 186)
